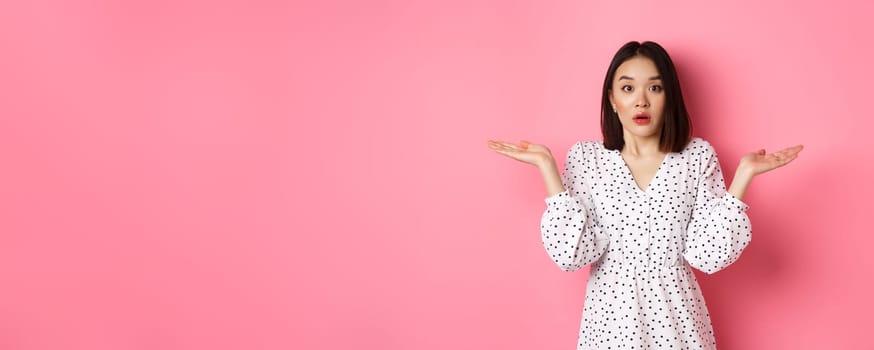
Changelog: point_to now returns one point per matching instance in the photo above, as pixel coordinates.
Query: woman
(642, 206)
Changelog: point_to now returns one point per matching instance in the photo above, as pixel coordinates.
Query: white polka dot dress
(641, 292)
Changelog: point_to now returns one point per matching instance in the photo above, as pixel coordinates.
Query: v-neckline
(631, 174)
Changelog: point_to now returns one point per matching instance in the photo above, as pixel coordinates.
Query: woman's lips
(641, 119)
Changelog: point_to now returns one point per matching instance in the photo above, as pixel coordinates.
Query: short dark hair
(677, 128)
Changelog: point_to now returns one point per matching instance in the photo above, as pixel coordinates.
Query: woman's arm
(537, 155)
(719, 229)
(758, 162)
(740, 182)
(551, 177)
(568, 227)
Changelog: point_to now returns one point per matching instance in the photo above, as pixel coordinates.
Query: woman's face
(638, 97)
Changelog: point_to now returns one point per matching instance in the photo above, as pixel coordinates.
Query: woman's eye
(626, 88)
(655, 88)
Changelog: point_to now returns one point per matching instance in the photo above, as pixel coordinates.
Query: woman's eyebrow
(657, 77)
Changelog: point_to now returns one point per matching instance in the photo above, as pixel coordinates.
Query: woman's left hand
(759, 162)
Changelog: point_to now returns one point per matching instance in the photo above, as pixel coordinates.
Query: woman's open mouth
(641, 118)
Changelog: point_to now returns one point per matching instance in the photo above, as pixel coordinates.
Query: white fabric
(641, 292)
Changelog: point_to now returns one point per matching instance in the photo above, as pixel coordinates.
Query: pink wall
(260, 175)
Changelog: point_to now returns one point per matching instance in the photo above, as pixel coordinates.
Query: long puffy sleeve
(719, 229)
(568, 227)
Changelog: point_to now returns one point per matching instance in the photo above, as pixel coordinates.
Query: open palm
(759, 162)
(525, 151)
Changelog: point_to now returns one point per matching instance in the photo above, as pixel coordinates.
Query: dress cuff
(557, 198)
(734, 202)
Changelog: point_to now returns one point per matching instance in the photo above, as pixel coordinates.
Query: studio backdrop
(315, 174)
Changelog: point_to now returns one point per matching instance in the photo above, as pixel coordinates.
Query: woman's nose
(642, 102)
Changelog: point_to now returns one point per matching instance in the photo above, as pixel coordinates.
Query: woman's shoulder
(589, 147)
(699, 146)
(585, 151)
(590, 143)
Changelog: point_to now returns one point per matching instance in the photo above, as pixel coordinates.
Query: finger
(507, 150)
(792, 150)
(784, 151)
(502, 143)
(795, 149)
(511, 145)
(788, 152)
(787, 159)
(497, 146)
(498, 142)
(493, 143)
(524, 144)
(790, 158)
(780, 163)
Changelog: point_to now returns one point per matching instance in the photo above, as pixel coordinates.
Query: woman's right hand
(538, 155)
(525, 151)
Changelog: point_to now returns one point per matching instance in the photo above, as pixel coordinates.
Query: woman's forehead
(637, 68)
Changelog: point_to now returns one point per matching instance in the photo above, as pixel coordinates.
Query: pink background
(266, 175)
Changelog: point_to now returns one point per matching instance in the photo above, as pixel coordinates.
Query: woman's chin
(642, 131)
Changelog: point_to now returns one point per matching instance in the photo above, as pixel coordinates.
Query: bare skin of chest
(643, 169)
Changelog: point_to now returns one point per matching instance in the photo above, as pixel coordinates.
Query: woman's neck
(641, 146)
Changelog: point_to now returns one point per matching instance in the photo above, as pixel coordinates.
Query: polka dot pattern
(642, 244)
